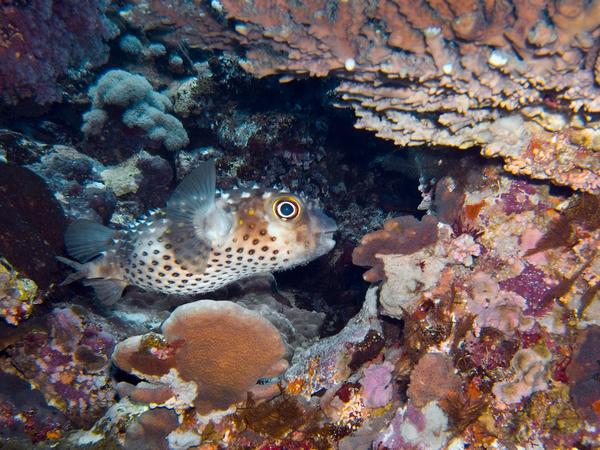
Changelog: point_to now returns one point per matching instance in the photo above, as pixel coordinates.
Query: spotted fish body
(202, 240)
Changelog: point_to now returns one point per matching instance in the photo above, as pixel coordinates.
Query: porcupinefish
(201, 241)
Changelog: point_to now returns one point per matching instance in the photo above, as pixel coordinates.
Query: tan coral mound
(516, 78)
(210, 355)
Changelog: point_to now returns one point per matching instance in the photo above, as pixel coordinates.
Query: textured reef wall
(460, 307)
(516, 78)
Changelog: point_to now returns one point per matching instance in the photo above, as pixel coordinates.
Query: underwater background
(456, 146)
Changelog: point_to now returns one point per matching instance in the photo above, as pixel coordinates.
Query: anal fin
(80, 273)
(108, 291)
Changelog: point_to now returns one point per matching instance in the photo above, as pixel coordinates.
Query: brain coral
(210, 355)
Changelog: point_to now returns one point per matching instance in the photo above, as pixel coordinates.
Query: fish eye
(286, 208)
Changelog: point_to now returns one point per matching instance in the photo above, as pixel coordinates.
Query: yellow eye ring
(287, 208)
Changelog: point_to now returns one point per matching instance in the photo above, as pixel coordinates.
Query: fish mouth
(326, 241)
(324, 227)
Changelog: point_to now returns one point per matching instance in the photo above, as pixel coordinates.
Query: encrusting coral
(516, 78)
(17, 294)
(42, 41)
(210, 356)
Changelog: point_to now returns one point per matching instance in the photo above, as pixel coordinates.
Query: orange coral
(212, 355)
(498, 75)
(402, 235)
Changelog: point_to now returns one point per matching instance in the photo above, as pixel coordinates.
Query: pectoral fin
(108, 291)
(85, 239)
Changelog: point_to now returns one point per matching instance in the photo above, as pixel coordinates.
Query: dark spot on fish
(175, 274)
(150, 269)
(168, 246)
(126, 270)
(154, 262)
(265, 248)
(285, 260)
(228, 249)
(160, 239)
(240, 258)
(275, 252)
(261, 258)
(273, 258)
(185, 281)
(167, 267)
(251, 252)
(273, 238)
(240, 250)
(170, 282)
(251, 226)
(255, 241)
(156, 252)
(246, 237)
(166, 257)
(135, 255)
(189, 274)
(229, 256)
(150, 243)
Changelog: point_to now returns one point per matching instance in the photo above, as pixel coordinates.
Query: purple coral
(532, 286)
(41, 40)
(377, 386)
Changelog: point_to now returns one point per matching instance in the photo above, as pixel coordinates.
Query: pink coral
(377, 384)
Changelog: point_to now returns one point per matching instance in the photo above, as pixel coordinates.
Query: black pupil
(287, 209)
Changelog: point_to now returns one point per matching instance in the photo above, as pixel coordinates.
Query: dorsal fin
(85, 239)
(195, 195)
(190, 205)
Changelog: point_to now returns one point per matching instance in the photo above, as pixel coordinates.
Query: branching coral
(210, 356)
(142, 108)
(514, 77)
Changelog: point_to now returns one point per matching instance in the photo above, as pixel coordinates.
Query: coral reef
(514, 286)
(480, 328)
(517, 79)
(68, 362)
(42, 42)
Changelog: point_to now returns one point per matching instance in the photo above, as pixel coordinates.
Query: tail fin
(85, 239)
